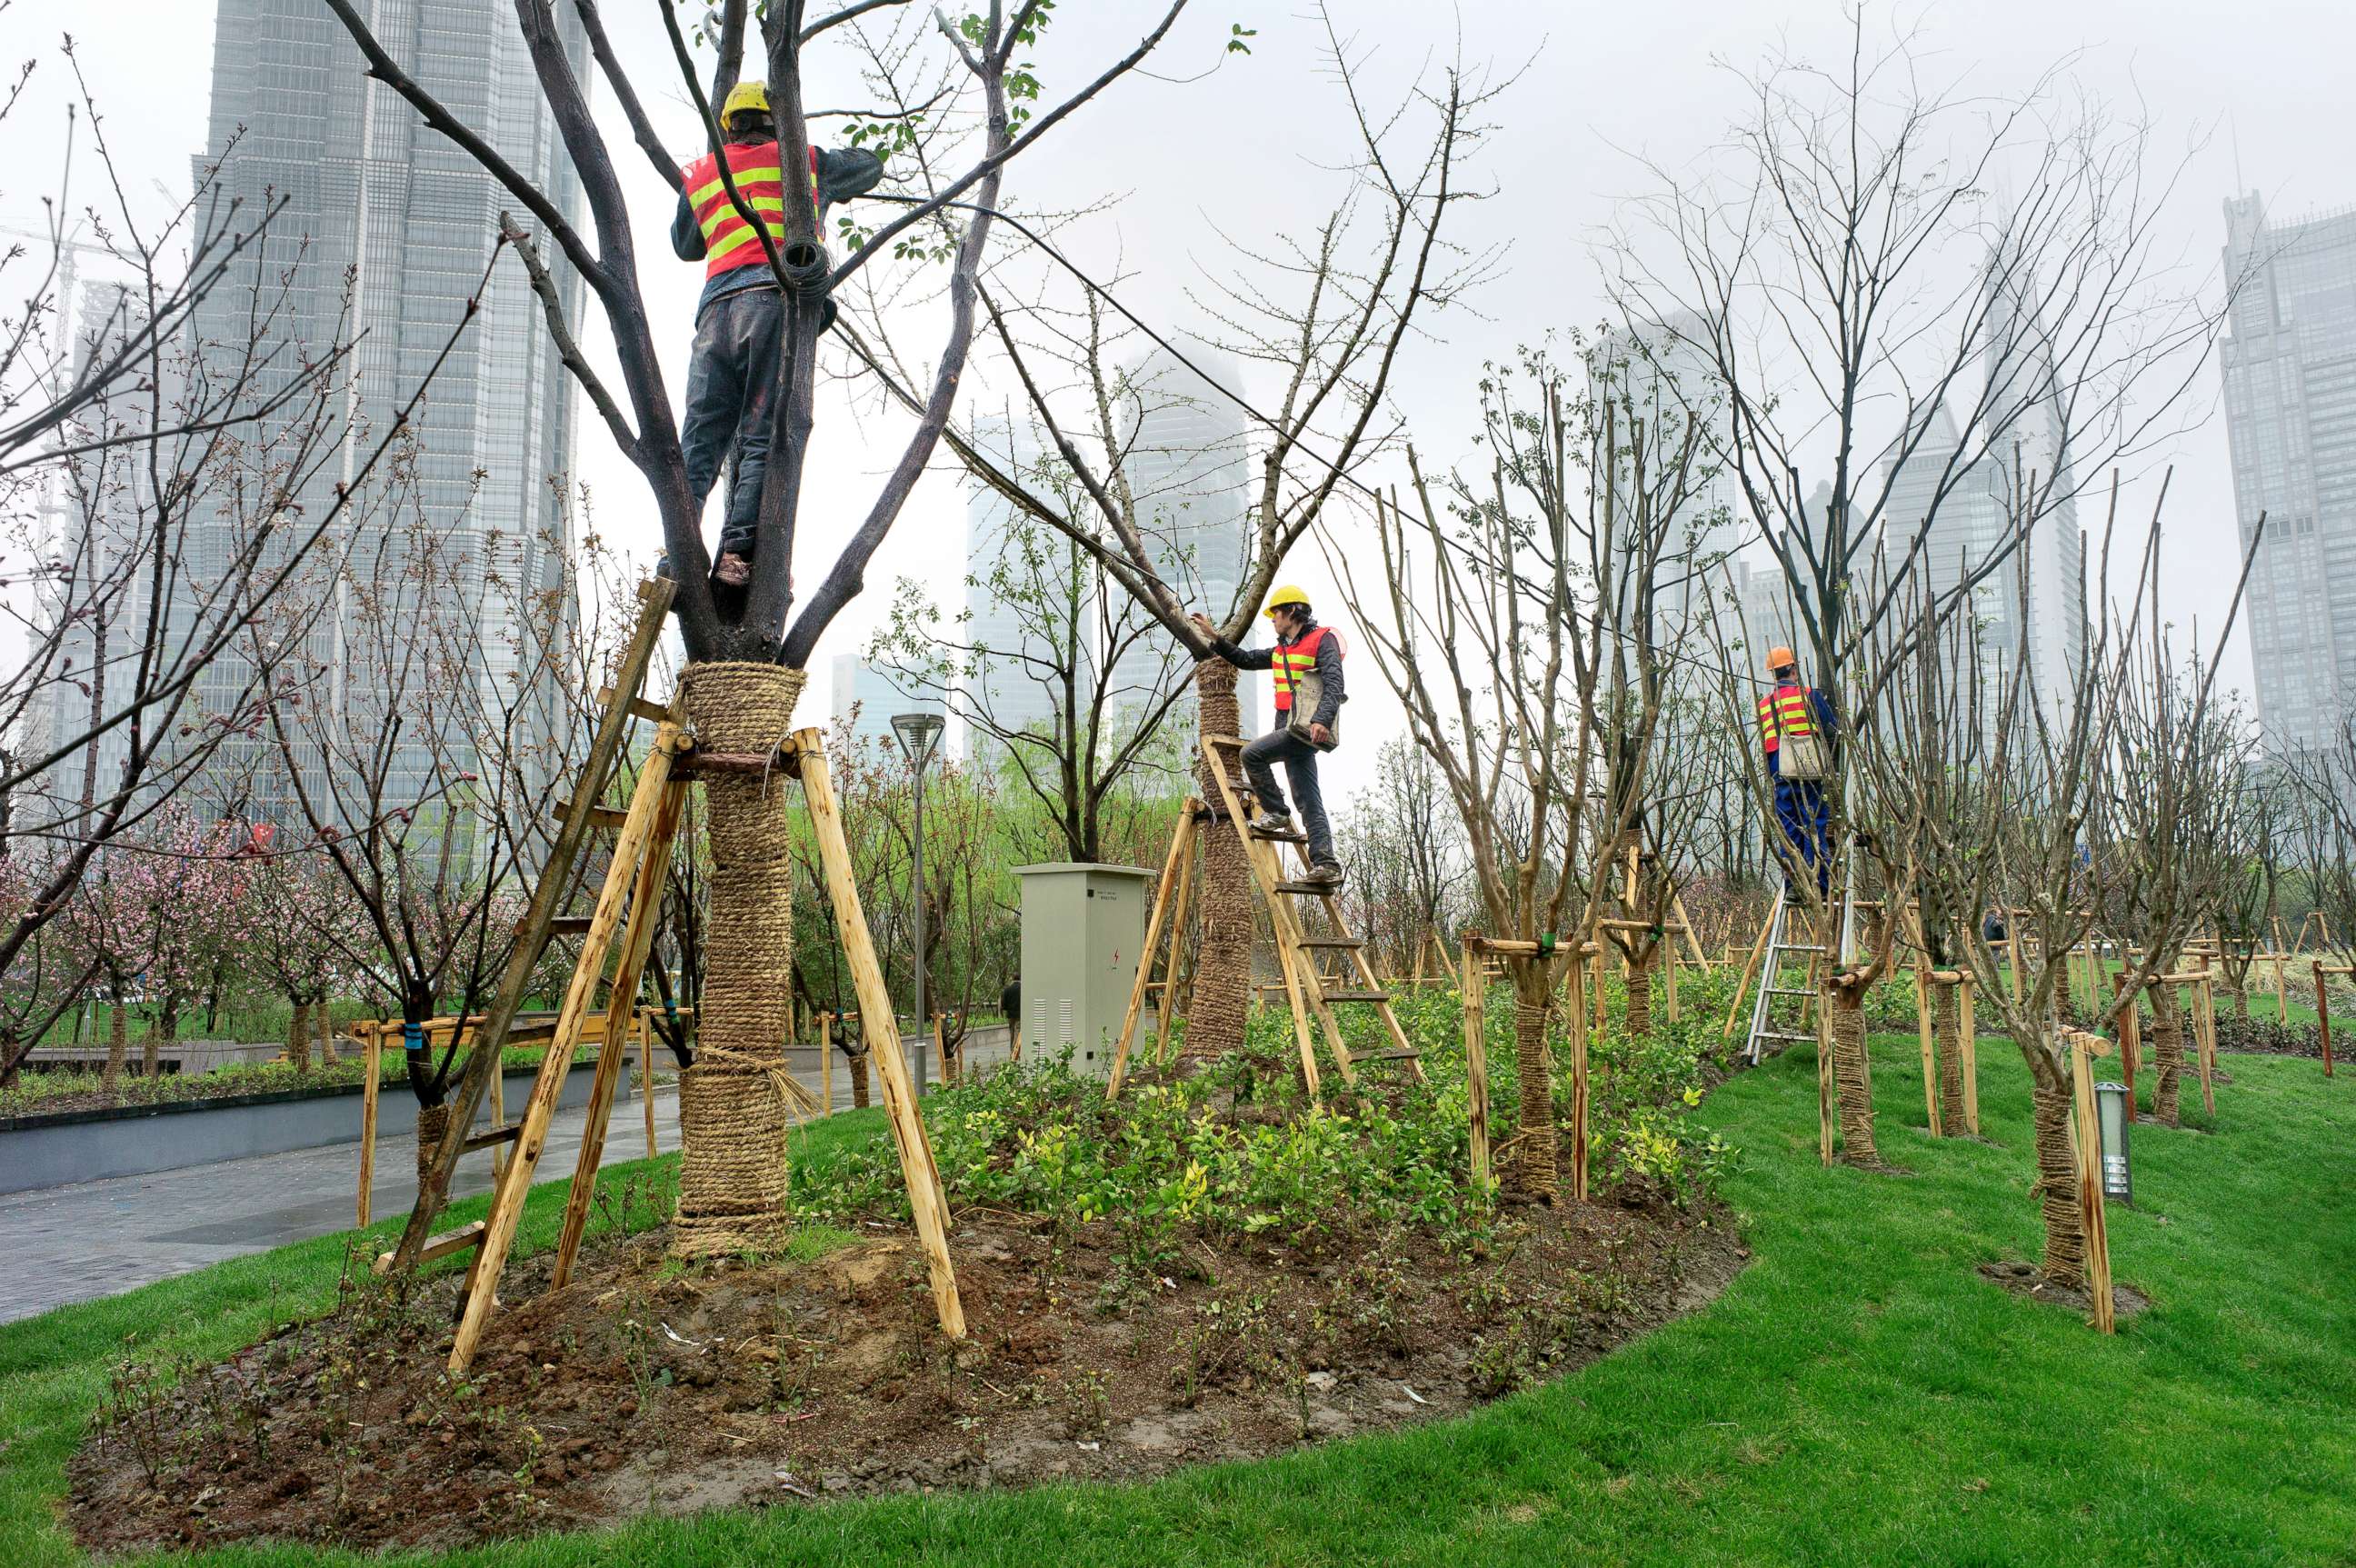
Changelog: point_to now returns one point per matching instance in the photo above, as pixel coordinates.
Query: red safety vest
(729, 241)
(1786, 711)
(1294, 660)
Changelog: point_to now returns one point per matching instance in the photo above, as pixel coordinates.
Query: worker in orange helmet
(1307, 662)
(1796, 726)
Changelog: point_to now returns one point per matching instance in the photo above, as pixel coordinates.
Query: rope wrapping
(2056, 1183)
(1946, 1049)
(1531, 1171)
(2167, 1056)
(433, 1121)
(1640, 993)
(1852, 1077)
(731, 1109)
(1214, 1012)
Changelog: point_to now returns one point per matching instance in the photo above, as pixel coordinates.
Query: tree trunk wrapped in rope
(2166, 1055)
(2057, 1180)
(327, 1027)
(1946, 1047)
(1852, 1074)
(1530, 1172)
(298, 1037)
(857, 1061)
(431, 1120)
(1214, 1012)
(732, 1179)
(1640, 991)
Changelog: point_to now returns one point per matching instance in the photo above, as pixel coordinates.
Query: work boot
(1325, 874)
(733, 571)
(1271, 825)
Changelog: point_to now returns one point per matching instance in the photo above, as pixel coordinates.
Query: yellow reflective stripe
(726, 217)
(745, 177)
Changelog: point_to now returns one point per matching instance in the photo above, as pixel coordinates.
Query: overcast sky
(2255, 94)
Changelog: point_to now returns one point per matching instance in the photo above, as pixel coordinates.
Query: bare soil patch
(2023, 1280)
(646, 1386)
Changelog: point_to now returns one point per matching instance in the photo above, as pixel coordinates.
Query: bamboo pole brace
(1476, 1068)
(2087, 1134)
(1182, 840)
(1577, 1012)
(372, 1054)
(1824, 1085)
(1929, 1057)
(1968, 1046)
(647, 1074)
(927, 1201)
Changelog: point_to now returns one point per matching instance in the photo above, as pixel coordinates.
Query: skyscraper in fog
(1662, 391)
(1188, 467)
(1012, 568)
(2290, 418)
(387, 229)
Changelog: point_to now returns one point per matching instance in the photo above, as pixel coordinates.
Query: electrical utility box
(1083, 932)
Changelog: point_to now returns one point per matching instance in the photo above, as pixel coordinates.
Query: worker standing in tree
(1307, 661)
(740, 321)
(1795, 723)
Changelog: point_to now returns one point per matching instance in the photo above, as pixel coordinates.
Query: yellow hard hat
(744, 95)
(1287, 595)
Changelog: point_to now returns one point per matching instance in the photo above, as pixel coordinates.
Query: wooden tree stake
(1476, 1068)
(1967, 1047)
(1930, 1062)
(372, 1054)
(2088, 1135)
(1578, 1014)
(880, 1023)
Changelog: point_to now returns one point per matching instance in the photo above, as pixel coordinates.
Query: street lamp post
(919, 733)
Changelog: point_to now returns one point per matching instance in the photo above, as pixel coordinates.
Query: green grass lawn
(1859, 1396)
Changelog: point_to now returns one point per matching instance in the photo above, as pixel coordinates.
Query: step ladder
(1779, 942)
(1309, 988)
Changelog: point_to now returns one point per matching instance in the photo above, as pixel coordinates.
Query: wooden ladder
(1172, 896)
(1308, 989)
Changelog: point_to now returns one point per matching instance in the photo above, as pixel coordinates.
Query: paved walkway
(64, 1244)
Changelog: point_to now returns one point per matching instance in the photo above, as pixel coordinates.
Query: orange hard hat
(1778, 657)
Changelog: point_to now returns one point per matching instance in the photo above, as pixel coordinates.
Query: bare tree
(148, 481)
(746, 657)
(1327, 316)
(2026, 814)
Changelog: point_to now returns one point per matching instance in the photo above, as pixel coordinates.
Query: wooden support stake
(647, 881)
(1749, 967)
(1930, 1062)
(1669, 952)
(540, 1111)
(1476, 1067)
(1578, 1010)
(1967, 1047)
(1824, 1082)
(2088, 1136)
(925, 1199)
(825, 1057)
(1182, 844)
(647, 1074)
(2322, 1011)
(372, 1054)
(2204, 1021)
(2130, 1032)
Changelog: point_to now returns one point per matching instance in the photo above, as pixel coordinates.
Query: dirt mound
(647, 1385)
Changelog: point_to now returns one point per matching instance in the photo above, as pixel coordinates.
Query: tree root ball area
(646, 1384)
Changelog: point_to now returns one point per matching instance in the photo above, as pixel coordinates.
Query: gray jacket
(1330, 695)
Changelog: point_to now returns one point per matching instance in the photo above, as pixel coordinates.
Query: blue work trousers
(1807, 826)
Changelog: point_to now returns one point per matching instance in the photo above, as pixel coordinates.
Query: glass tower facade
(385, 231)
(2290, 365)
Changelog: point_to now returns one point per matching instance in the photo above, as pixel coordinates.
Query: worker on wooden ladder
(740, 322)
(1307, 662)
(1796, 724)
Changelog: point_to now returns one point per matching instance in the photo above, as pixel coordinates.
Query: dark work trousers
(1800, 808)
(730, 381)
(1299, 759)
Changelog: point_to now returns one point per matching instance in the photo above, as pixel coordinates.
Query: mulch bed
(647, 1385)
